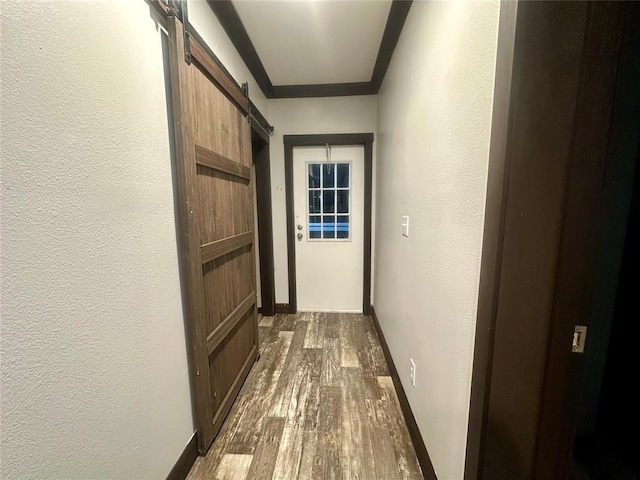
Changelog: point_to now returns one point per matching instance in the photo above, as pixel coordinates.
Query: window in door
(329, 188)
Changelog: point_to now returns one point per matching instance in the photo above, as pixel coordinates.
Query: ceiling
(307, 42)
(305, 48)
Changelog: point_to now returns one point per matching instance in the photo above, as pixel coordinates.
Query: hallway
(171, 167)
(318, 404)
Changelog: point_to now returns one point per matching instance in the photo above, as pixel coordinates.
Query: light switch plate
(405, 226)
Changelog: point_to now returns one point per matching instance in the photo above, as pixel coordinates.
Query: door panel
(213, 161)
(329, 207)
(225, 363)
(565, 64)
(217, 190)
(226, 285)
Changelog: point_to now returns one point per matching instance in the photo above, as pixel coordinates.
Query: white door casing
(329, 271)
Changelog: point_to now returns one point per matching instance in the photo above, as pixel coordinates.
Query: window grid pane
(329, 211)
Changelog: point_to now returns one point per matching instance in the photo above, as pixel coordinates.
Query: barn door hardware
(178, 9)
(185, 30)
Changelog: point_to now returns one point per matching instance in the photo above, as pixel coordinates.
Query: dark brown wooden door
(559, 146)
(213, 161)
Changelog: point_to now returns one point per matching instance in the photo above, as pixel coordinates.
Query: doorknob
(299, 227)
(300, 236)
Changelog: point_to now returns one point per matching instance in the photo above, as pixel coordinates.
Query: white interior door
(329, 215)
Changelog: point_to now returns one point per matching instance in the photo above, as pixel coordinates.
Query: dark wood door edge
(416, 437)
(493, 239)
(283, 308)
(290, 141)
(262, 161)
(184, 463)
(189, 235)
(368, 201)
(291, 247)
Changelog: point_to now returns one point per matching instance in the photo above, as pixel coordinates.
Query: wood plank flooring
(319, 404)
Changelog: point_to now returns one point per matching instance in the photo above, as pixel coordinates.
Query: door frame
(262, 163)
(320, 140)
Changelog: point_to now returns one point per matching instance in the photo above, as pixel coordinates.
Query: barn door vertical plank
(191, 261)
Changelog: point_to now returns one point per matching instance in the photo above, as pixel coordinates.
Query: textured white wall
(209, 28)
(433, 145)
(308, 116)
(94, 369)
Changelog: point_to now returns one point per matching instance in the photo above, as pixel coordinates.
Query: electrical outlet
(405, 226)
(412, 373)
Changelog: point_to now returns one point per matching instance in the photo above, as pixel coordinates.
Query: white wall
(433, 145)
(308, 116)
(94, 369)
(209, 28)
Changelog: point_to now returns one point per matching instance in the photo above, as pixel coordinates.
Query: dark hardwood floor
(319, 404)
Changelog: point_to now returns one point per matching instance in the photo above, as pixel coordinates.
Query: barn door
(213, 160)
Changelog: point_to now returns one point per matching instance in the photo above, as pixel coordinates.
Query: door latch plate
(579, 339)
